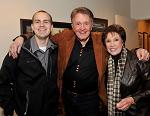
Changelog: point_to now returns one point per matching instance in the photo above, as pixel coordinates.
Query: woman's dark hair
(114, 28)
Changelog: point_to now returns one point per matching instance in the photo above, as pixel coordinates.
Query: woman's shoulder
(133, 59)
(132, 55)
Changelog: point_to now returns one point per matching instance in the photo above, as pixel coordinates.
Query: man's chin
(43, 37)
(83, 38)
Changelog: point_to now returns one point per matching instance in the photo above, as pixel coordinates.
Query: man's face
(42, 25)
(82, 26)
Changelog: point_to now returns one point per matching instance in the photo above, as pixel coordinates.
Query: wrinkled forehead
(81, 16)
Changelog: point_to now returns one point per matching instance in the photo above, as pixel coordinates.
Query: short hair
(111, 29)
(42, 11)
(82, 10)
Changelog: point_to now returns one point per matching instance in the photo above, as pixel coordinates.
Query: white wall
(140, 9)
(131, 28)
(12, 10)
(109, 8)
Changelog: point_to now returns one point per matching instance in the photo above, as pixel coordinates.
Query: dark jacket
(136, 83)
(25, 82)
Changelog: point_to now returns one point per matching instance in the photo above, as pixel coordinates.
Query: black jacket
(25, 83)
(136, 83)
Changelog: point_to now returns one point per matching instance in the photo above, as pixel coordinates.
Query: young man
(29, 82)
(81, 65)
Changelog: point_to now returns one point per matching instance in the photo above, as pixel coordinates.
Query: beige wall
(131, 28)
(12, 10)
(140, 9)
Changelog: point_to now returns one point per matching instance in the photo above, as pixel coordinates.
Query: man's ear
(32, 27)
(52, 27)
(72, 25)
(92, 25)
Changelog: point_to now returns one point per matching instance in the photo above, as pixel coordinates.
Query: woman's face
(113, 43)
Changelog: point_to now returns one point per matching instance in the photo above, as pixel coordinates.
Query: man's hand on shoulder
(15, 47)
(1, 111)
(142, 54)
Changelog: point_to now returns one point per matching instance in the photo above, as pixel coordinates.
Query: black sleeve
(24, 36)
(145, 75)
(7, 74)
(134, 50)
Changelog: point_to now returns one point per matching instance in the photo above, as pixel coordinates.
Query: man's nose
(41, 23)
(82, 26)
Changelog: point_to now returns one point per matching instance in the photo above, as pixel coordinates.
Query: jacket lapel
(99, 54)
(69, 46)
(100, 57)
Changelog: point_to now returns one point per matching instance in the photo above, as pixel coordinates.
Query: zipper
(30, 53)
(50, 69)
(27, 50)
(27, 103)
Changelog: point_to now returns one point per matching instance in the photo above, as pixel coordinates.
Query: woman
(128, 83)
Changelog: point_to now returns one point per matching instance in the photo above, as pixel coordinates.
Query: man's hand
(1, 112)
(15, 47)
(142, 54)
(125, 103)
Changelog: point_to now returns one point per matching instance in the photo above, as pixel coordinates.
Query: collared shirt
(81, 74)
(41, 55)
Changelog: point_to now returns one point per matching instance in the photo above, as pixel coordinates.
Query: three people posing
(81, 65)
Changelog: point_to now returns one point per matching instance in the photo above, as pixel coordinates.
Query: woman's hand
(125, 103)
